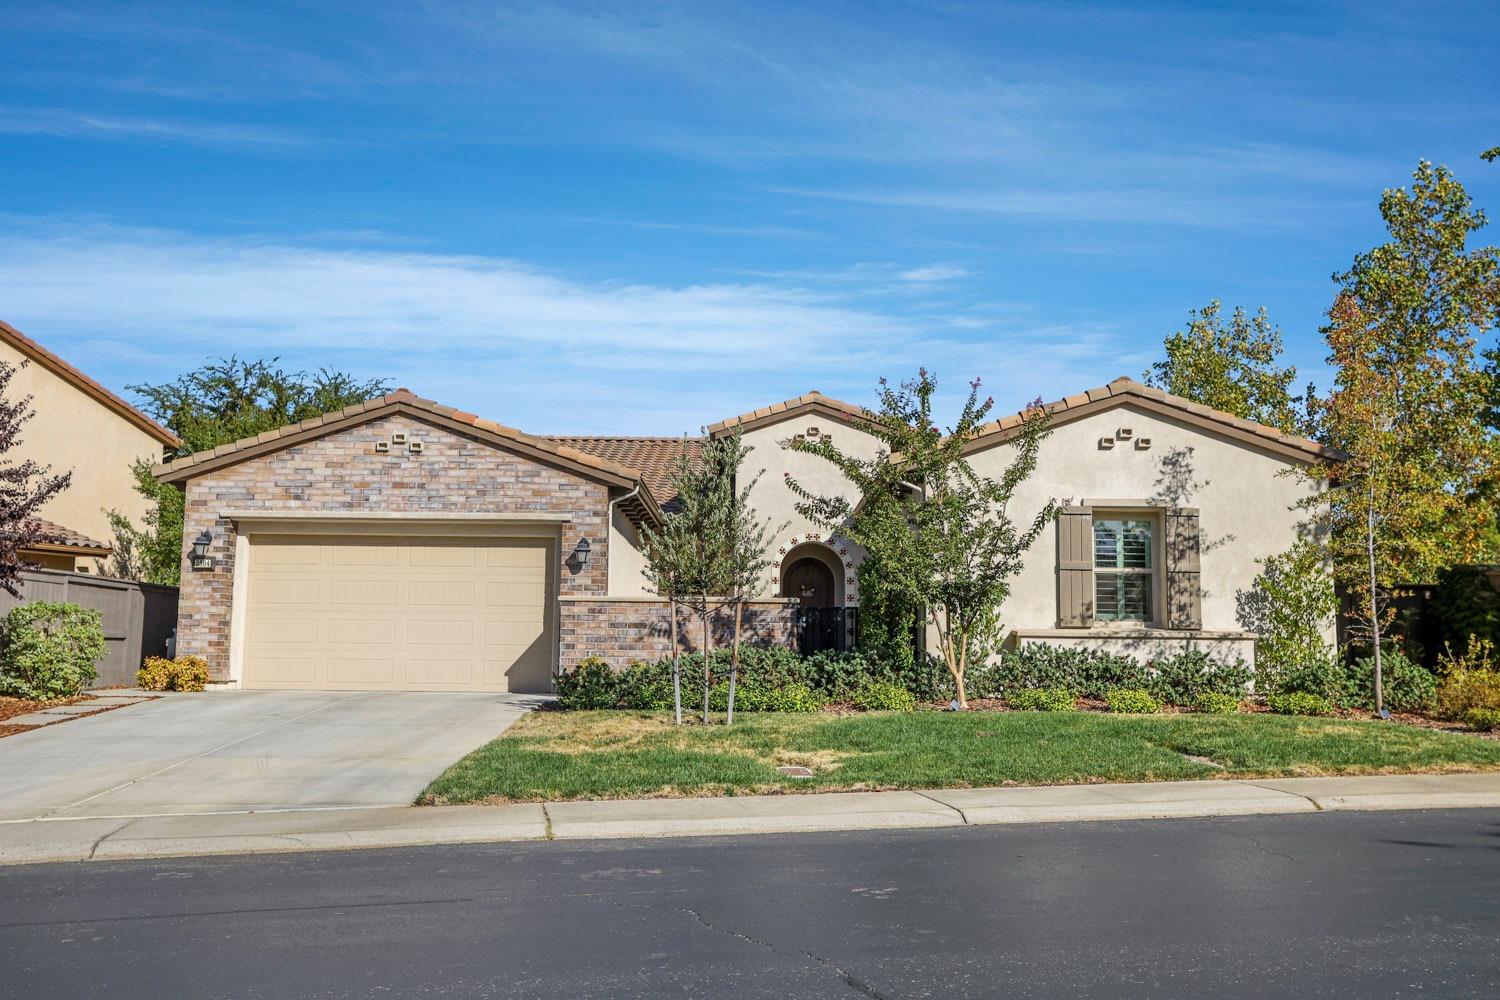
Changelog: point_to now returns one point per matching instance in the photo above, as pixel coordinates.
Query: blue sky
(577, 217)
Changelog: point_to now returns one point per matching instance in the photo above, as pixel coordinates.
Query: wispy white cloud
(498, 336)
(934, 272)
(75, 124)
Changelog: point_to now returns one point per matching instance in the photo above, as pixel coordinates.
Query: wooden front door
(811, 581)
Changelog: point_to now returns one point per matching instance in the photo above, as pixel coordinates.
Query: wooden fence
(138, 617)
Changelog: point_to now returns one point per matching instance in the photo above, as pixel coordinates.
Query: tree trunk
(707, 662)
(734, 656)
(1374, 604)
(676, 667)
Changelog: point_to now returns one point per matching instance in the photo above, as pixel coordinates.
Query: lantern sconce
(200, 559)
(581, 552)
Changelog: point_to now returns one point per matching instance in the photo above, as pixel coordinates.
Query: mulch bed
(12, 707)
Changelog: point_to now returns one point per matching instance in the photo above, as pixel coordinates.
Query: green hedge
(1041, 700)
(1132, 701)
(1093, 673)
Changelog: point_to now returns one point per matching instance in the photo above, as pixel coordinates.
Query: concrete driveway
(247, 751)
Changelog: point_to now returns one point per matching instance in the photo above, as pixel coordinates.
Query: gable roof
(812, 401)
(1126, 390)
(57, 366)
(56, 538)
(655, 458)
(405, 401)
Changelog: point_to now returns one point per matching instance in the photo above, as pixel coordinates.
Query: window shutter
(1075, 567)
(1184, 590)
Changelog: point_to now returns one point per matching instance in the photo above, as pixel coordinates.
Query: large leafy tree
(1234, 366)
(24, 486)
(944, 535)
(222, 401)
(1416, 492)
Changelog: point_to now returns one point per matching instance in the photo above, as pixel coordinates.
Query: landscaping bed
(629, 754)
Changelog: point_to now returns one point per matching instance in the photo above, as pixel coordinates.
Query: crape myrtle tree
(1416, 493)
(944, 534)
(709, 553)
(24, 486)
(222, 401)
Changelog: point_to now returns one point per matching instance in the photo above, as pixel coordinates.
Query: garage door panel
(365, 555)
(436, 672)
(287, 671)
(440, 632)
(440, 593)
(288, 554)
(362, 631)
(290, 590)
(364, 593)
(383, 613)
(526, 556)
(442, 555)
(280, 630)
(364, 671)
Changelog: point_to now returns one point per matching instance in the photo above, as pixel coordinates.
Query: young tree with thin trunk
(24, 486)
(674, 557)
(944, 533)
(743, 543)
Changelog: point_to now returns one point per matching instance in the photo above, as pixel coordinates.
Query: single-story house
(401, 544)
(83, 428)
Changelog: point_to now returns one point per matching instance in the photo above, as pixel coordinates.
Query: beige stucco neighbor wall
(1247, 500)
(342, 473)
(627, 564)
(74, 432)
(774, 502)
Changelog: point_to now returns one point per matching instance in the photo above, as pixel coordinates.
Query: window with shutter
(1124, 570)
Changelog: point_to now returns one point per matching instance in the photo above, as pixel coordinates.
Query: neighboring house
(83, 428)
(400, 544)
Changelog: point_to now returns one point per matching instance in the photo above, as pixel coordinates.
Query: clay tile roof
(181, 468)
(57, 366)
(1125, 389)
(813, 399)
(55, 535)
(654, 457)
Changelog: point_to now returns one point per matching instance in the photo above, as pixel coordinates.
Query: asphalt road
(1333, 905)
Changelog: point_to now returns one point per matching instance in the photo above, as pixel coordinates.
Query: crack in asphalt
(1263, 848)
(854, 983)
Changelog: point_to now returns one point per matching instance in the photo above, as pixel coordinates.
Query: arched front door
(811, 581)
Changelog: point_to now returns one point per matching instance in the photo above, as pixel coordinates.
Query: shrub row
(769, 680)
(1092, 673)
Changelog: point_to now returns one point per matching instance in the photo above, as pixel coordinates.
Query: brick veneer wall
(623, 630)
(343, 472)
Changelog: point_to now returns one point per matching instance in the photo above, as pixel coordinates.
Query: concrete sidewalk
(125, 837)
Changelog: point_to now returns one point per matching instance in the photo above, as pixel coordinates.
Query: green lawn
(596, 755)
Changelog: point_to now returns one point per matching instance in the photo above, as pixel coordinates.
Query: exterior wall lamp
(581, 552)
(200, 559)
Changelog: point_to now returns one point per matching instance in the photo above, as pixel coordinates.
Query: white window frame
(1151, 516)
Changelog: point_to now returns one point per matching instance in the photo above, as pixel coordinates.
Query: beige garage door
(414, 614)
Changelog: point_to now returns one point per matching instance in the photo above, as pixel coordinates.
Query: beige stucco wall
(1247, 500)
(627, 563)
(75, 432)
(775, 503)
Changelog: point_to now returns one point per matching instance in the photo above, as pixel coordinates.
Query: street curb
(35, 841)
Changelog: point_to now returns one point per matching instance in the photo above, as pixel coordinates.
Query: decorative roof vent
(383, 447)
(415, 447)
(1106, 443)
